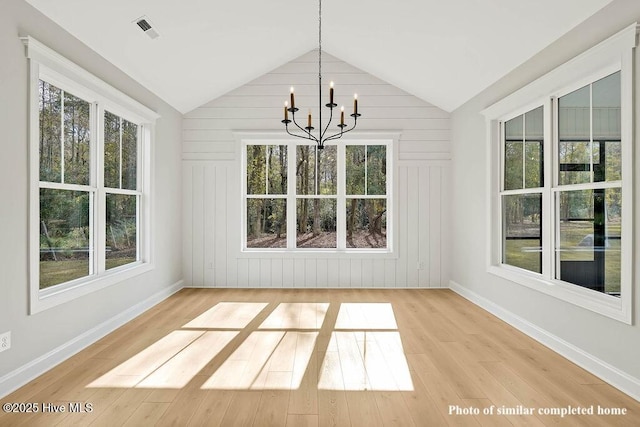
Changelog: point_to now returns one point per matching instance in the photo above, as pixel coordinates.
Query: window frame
(612, 55)
(47, 65)
(245, 139)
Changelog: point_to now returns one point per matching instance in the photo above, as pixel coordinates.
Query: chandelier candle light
(290, 106)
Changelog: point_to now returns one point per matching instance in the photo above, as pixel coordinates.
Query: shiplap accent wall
(212, 193)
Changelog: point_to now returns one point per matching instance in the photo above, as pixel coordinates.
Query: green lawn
(56, 272)
(522, 253)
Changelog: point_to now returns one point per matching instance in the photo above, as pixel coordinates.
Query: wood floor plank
(242, 408)
(326, 357)
(298, 420)
(147, 414)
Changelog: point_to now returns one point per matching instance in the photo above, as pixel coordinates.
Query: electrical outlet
(421, 265)
(5, 341)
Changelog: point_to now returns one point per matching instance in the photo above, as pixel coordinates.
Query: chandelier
(321, 136)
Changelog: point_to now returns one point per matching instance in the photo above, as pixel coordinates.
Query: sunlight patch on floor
(366, 316)
(296, 315)
(228, 315)
(266, 360)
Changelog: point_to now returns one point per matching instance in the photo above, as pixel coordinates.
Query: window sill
(597, 302)
(318, 253)
(44, 299)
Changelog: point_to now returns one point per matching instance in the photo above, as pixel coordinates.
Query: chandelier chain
(320, 38)
(306, 132)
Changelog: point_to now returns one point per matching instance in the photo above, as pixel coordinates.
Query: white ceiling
(442, 51)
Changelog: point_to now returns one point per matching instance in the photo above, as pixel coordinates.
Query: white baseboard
(29, 371)
(610, 374)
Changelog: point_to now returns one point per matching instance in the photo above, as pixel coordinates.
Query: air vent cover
(146, 26)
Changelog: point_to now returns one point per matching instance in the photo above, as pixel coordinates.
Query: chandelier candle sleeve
(342, 115)
(331, 93)
(355, 103)
(309, 119)
(286, 112)
(292, 101)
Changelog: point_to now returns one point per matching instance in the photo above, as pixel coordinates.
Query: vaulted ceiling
(443, 52)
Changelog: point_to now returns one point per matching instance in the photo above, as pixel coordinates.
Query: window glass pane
(77, 137)
(366, 223)
(266, 223)
(121, 230)
(64, 236)
(316, 223)
(588, 250)
(327, 170)
(129, 155)
(513, 154)
(111, 150)
(534, 130)
(256, 169)
(306, 170)
(376, 169)
(277, 158)
(50, 100)
(574, 137)
(355, 168)
(606, 128)
(522, 218)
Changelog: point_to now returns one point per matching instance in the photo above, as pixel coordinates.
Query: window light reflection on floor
(361, 351)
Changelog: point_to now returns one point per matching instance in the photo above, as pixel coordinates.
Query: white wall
(38, 335)
(609, 341)
(211, 177)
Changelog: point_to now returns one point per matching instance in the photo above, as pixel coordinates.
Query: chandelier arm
(342, 132)
(308, 132)
(327, 126)
(305, 136)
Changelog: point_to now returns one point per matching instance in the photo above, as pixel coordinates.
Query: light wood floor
(318, 357)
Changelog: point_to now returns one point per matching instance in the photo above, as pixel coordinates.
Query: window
(523, 171)
(561, 205)
(90, 151)
(336, 199)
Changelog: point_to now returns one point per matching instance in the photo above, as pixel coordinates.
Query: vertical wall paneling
(187, 225)
(276, 273)
(232, 242)
(254, 272)
(322, 279)
(265, 273)
(208, 225)
(299, 273)
(243, 273)
(403, 227)
(367, 273)
(390, 273)
(310, 267)
(445, 226)
(287, 273)
(423, 231)
(198, 224)
(219, 218)
(378, 272)
(344, 273)
(355, 277)
(212, 193)
(333, 273)
(413, 225)
(435, 194)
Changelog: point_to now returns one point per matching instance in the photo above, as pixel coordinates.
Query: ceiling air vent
(145, 25)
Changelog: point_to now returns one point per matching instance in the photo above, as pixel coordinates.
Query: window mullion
(100, 213)
(341, 203)
(62, 136)
(548, 201)
(292, 150)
